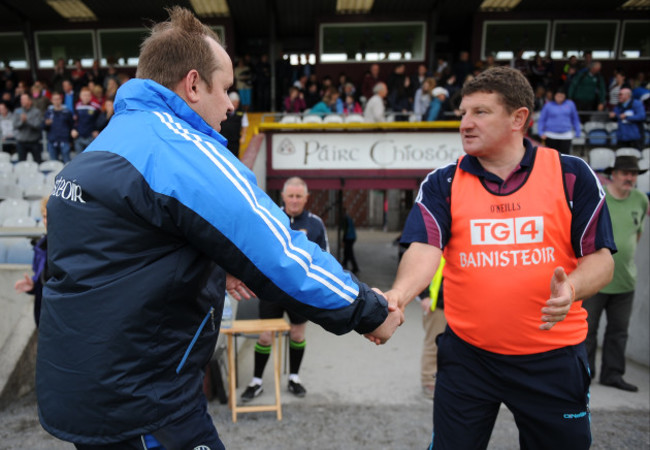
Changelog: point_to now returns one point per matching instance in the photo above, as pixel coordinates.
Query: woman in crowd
(559, 123)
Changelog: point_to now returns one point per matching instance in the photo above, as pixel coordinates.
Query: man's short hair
(295, 181)
(378, 87)
(176, 46)
(508, 83)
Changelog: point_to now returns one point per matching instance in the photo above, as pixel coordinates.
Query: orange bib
(500, 260)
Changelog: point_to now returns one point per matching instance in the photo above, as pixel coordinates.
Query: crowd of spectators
(427, 94)
(69, 109)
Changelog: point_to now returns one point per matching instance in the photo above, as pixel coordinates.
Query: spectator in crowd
(59, 74)
(262, 83)
(58, 122)
(518, 62)
(618, 82)
(421, 75)
(98, 95)
(244, 82)
(7, 94)
(329, 104)
(8, 73)
(462, 68)
(540, 98)
(295, 101)
(434, 323)
(349, 238)
(112, 84)
(438, 106)
(34, 285)
(78, 76)
(351, 106)
(628, 208)
(96, 74)
(312, 96)
(370, 80)
(442, 68)
(569, 70)
(349, 89)
(69, 98)
(559, 123)
(399, 92)
(587, 89)
(235, 125)
(375, 110)
(39, 99)
(294, 196)
(106, 113)
(28, 122)
(111, 74)
(20, 89)
(630, 115)
(7, 134)
(86, 113)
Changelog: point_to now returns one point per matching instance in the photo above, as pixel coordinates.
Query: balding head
(624, 95)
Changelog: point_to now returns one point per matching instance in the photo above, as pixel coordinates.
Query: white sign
(341, 151)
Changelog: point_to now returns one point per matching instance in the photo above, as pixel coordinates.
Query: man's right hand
(383, 332)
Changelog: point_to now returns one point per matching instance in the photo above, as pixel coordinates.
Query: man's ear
(520, 118)
(188, 87)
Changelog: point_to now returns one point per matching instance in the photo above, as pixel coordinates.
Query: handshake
(395, 318)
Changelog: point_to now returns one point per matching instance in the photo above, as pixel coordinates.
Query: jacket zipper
(196, 336)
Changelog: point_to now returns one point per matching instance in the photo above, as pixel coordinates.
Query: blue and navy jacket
(86, 118)
(62, 122)
(134, 225)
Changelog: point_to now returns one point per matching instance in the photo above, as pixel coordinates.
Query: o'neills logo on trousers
(67, 190)
(507, 231)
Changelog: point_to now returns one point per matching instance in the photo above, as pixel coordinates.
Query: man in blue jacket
(630, 115)
(135, 222)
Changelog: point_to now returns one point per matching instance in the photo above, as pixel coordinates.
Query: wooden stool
(275, 326)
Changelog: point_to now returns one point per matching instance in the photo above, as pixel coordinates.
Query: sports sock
(296, 352)
(262, 353)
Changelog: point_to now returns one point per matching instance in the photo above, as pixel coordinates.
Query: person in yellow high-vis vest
(434, 323)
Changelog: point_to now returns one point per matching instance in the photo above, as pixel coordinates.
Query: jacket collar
(147, 95)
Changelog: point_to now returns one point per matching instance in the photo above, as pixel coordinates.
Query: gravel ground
(338, 427)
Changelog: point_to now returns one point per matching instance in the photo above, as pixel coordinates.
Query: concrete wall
(17, 336)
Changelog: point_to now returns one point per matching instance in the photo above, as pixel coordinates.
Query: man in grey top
(27, 125)
(374, 111)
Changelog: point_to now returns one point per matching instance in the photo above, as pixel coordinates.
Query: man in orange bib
(526, 234)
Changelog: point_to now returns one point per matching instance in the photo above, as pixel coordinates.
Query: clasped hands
(394, 319)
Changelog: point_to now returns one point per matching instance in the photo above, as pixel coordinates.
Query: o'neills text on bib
(500, 260)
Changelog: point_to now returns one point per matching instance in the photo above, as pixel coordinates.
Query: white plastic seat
(601, 158)
(14, 207)
(628, 151)
(290, 118)
(354, 118)
(51, 166)
(25, 167)
(611, 126)
(333, 118)
(35, 210)
(36, 191)
(6, 166)
(19, 222)
(589, 126)
(312, 118)
(643, 182)
(30, 179)
(10, 191)
(18, 251)
(5, 157)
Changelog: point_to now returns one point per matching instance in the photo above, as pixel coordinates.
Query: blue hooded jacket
(134, 223)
